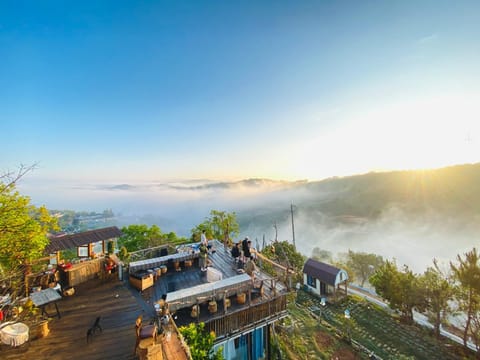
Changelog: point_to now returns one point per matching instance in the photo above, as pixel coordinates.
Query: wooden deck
(111, 300)
(270, 306)
(190, 277)
(119, 305)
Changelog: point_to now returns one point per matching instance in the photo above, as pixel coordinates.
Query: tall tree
(284, 253)
(400, 288)
(23, 227)
(221, 225)
(363, 264)
(140, 236)
(438, 290)
(467, 274)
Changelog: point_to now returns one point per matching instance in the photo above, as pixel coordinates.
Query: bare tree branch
(10, 178)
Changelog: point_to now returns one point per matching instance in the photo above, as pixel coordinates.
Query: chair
(144, 332)
(258, 290)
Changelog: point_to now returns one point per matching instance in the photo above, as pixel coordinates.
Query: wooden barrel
(44, 330)
(163, 268)
(40, 330)
(241, 298)
(188, 263)
(226, 303)
(158, 271)
(212, 307)
(195, 311)
(176, 265)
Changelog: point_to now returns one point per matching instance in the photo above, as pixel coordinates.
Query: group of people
(244, 256)
(242, 251)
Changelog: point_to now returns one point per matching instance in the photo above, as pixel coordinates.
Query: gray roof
(322, 271)
(80, 239)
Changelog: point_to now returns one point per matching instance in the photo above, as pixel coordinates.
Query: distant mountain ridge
(454, 188)
(452, 191)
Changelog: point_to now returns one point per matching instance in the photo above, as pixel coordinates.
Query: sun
(415, 134)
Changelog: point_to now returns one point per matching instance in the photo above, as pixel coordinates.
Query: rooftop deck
(190, 281)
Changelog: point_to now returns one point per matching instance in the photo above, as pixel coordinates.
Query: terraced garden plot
(376, 330)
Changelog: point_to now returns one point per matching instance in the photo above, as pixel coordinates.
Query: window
(82, 251)
(311, 281)
(97, 247)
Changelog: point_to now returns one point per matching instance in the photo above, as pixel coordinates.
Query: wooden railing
(244, 318)
(177, 333)
(282, 273)
(146, 253)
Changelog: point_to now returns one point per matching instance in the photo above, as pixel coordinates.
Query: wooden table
(44, 297)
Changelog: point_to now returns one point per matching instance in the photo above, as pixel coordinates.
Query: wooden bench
(216, 290)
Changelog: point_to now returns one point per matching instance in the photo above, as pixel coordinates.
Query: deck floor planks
(67, 338)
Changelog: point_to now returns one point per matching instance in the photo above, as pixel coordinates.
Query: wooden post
(225, 302)
(198, 312)
(26, 286)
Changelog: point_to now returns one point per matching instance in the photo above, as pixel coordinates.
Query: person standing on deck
(246, 249)
(203, 257)
(235, 252)
(204, 240)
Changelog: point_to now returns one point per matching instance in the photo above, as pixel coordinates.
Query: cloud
(427, 39)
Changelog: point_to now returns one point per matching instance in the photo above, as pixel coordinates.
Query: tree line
(438, 292)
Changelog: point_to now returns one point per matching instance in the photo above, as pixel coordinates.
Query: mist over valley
(412, 216)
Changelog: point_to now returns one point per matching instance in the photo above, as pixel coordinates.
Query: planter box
(141, 282)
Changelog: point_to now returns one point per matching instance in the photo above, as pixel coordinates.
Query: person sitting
(110, 265)
(235, 252)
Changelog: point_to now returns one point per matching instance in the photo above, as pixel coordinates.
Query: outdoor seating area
(68, 335)
(219, 294)
(166, 296)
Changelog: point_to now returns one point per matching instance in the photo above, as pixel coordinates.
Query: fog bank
(412, 239)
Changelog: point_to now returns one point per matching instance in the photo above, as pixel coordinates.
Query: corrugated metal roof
(324, 272)
(73, 240)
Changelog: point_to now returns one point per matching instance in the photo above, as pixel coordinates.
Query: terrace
(119, 304)
(226, 300)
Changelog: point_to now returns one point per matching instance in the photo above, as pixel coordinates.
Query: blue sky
(125, 91)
